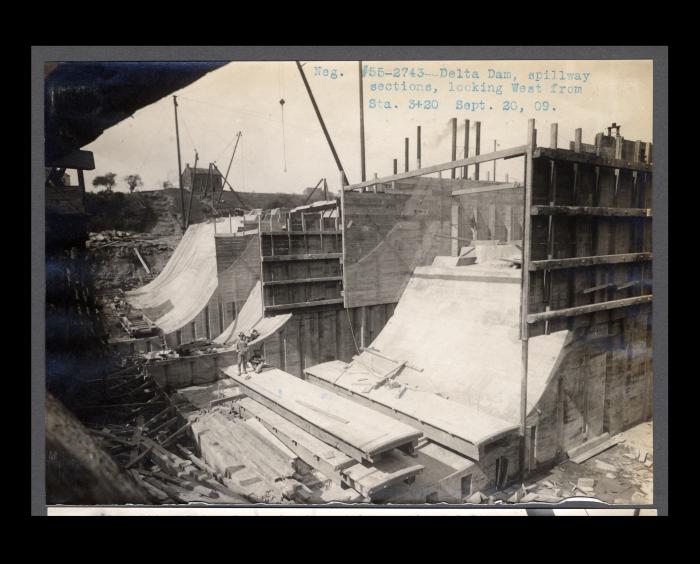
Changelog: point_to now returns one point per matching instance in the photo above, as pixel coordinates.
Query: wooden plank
(303, 281)
(482, 189)
(375, 352)
(555, 264)
(299, 305)
(592, 308)
(302, 233)
(587, 158)
(309, 448)
(592, 211)
(486, 157)
(308, 256)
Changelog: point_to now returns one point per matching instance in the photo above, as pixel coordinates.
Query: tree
(133, 181)
(167, 184)
(108, 181)
(317, 194)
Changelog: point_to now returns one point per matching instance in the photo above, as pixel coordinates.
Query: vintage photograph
(298, 282)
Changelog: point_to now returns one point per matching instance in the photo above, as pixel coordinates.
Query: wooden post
(230, 223)
(81, 184)
(179, 165)
(477, 148)
(553, 135)
(494, 160)
(406, 155)
(454, 228)
(418, 145)
(223, 184)
(323, 125)
(396, 166)
(374, 188)
(194, 177)
(578, 134)
(325, 189)
(341, 217)
(453, 172)
(363, 324)
(466, 146)
(525, 287)
(362, 124)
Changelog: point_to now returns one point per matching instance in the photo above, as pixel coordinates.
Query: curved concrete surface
(251, 317)
(186, 284)
(460, 324)
(458, 328)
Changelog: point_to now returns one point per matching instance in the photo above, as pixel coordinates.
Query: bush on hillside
(117, 210)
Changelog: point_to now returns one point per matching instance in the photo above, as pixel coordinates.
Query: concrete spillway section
(187, 282)
(251, 317)
(456, 328)
(359, 432)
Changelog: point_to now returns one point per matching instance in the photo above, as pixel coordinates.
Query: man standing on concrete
(242, 348)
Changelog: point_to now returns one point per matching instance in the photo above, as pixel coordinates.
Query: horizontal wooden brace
(299, 305)
(587, 158)
(592, 308)
(314, 232)
(302, 281)
(480, 189)
(486, 157)
(586, 210)
(315, 256)
(576, 262)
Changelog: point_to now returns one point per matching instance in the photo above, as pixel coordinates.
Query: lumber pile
(247, 458)
(139, 426)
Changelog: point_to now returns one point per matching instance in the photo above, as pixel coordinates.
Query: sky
(276, 155)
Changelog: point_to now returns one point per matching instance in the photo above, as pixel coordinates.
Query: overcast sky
(244, 96)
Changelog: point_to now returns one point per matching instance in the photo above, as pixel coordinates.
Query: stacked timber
(138, 425)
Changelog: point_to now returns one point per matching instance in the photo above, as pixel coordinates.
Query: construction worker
(242, 349)
(257, 361)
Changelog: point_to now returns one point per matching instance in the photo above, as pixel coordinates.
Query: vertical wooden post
(81, 184)
(578, 134)
(453, 172)
(194, 179)
(454, 227)
(418, 146)
(341, 218)
(396, 166)
(477, 148)
(466, 147)
(363, 326)
(230, 223)
(362, 124)
(553, 135)
(525, 286)
(374, 187)
(494, 161)
(406, 155)
(179, 165)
